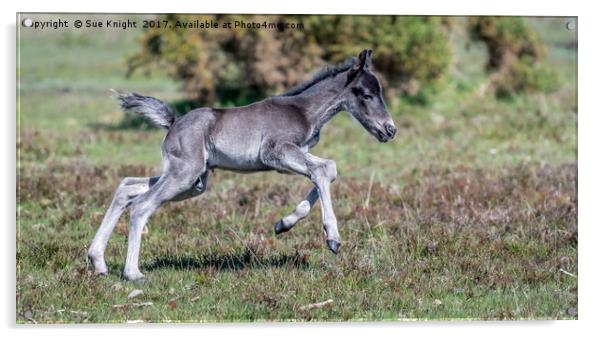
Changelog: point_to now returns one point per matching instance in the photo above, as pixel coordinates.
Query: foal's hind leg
(169, 187)
(128, 189)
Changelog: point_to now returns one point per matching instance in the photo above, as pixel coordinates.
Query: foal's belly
(236, 162)
(237, 153)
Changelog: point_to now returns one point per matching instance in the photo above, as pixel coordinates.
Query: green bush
(235, 66)
(525, 76)
(516, 56)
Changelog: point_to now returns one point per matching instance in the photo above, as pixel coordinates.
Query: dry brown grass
(467, 238)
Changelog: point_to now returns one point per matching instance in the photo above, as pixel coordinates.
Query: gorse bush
(234, 66)
(516, 55)
(524, 75)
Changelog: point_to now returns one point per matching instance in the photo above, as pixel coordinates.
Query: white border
(589, 162)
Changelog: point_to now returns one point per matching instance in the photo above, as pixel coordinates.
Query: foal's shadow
(236, 261)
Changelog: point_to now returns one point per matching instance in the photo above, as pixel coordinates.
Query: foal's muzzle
(387, 132)
(390, 130)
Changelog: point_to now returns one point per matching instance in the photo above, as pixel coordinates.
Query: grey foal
(273, 134)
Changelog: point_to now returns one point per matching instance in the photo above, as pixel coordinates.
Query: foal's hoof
(97, 264)
(139, 277)
(279, 227)
(333, 245)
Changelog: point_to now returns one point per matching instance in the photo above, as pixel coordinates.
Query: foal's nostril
(391, 130)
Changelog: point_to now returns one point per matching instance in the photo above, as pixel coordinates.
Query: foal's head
(363, 99)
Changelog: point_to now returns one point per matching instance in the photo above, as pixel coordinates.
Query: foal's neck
(324, 100)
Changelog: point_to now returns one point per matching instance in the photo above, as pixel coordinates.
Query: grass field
(470, 213)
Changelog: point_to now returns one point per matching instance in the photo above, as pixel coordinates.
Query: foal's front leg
(301, 211)
(289, 157)
(324, 172)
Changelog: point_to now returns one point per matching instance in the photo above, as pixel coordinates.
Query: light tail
(156, 111)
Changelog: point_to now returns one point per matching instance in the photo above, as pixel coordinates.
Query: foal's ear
(365, 58)
(361, 63)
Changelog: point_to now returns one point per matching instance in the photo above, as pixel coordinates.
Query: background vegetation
(234, 66)
(470, 213)
(516, 56)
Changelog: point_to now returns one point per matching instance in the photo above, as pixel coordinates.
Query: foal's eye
(367, 97)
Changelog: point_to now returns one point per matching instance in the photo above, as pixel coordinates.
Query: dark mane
(326, 72)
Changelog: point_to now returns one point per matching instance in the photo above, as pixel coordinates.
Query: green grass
(469, 214)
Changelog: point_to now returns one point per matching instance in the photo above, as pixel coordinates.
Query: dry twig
(316, 305)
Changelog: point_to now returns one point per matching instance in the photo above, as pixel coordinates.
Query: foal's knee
(331, 170)
(326, 170)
